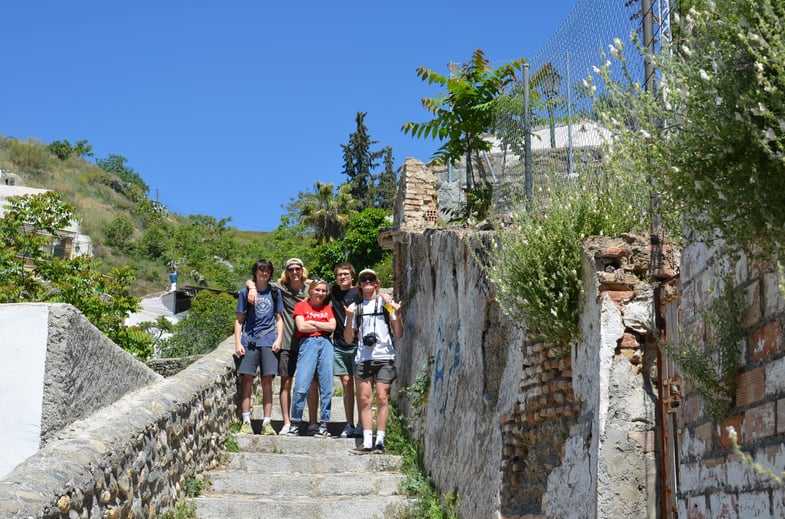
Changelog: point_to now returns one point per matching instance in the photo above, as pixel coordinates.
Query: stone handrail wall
(132, 458)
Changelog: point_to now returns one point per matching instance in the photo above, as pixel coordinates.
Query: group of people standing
(320, 331)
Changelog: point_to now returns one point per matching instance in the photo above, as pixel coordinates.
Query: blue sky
(228, 109)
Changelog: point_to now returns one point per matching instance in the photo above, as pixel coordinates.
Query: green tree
(386, 182)
(119, 232)
(359, 163)
(209, 322)
(63, 149)
(28, 273)
(326, 211)
(116, 164)
(464, 113)
(202, 246)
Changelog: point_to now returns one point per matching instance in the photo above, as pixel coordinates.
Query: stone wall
(84, 370)
(511, 428)
(713, 481)
(133, 457)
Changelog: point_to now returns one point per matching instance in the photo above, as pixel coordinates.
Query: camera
(370, 339)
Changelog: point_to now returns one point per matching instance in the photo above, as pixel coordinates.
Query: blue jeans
(316, 356)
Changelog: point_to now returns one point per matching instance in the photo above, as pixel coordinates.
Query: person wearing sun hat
(372, 324)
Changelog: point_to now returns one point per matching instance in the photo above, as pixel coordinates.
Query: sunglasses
(294, 269)
(367, 280)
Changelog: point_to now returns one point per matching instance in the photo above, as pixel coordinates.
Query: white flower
(645, 134)
(704, 75)
(595, 69)
(614, 51)
(686, 51)
(761, 110)
(759, 66)
(585, 84)
(617, 43)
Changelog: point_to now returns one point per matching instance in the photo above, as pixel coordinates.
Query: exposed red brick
(618, 296)
(629, 341)
(612, 252)
(736, 422)
(751, 386)
(766, 341)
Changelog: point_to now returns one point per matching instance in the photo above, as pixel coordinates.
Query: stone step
(215, 507)
(332, 463)
(310, 485)
(295, 444)
(301, 476)
(337, 412)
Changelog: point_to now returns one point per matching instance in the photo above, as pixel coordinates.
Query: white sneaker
(348, 431)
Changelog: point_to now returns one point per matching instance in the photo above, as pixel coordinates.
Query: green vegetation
(29, 272)
(536, 266)
(462, 116)
(209, 321)
(711, 362)
(182, 510)
(427, 502)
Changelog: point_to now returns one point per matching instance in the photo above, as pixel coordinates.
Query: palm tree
(327, 212)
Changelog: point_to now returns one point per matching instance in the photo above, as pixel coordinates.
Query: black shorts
(381, 370)
(287, 362)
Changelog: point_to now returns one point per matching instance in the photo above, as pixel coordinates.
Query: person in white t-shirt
(371, 325)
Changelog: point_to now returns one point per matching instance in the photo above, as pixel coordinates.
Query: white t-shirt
(372, 324)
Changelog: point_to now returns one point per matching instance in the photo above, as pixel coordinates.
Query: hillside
(127, 228)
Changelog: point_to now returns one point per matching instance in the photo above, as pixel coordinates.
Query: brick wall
(714, 482)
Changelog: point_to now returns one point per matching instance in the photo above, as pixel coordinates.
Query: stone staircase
(302, 477)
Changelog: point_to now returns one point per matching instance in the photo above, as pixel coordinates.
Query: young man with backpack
(258, 332)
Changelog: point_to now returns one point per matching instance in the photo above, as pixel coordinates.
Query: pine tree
(359, 163)
(386, 183)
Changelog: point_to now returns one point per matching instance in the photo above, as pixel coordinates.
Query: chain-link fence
(565, 139)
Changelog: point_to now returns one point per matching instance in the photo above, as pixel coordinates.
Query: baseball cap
(293, 261)
(367, 272)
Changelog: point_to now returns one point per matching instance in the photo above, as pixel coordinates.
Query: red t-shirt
(310, 313)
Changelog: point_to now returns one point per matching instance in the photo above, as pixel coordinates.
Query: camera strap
(376, 312)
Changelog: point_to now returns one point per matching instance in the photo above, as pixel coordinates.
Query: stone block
(751, 387)
(759, 422)
(705, 433)
(775, 377)
(752, 312)
(773, 302)
(781, 416)
(766, 341)
(753, 505)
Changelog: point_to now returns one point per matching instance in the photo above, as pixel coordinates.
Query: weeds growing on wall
(536, 262)
(418, 391)
(711, 362)
(428, 503)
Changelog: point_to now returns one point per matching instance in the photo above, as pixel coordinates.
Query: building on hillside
(70, 243)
